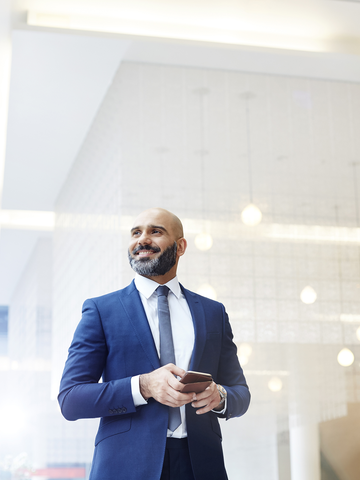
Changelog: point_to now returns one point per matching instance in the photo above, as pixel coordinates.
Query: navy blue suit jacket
(113, 341)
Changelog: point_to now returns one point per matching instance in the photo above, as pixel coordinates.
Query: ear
(181, 247)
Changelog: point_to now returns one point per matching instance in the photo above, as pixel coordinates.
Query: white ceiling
(308, 18)
(57, 84)
(59, 78)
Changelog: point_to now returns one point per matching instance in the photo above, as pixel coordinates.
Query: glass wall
(205, 144)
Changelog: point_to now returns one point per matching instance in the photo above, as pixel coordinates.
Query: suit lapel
(198, 316)
(130, 300)
(134, 309)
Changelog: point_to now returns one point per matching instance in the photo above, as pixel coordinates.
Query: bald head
(161, 218)
(156, 244)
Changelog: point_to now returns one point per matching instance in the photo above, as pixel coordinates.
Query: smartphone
(195, 381)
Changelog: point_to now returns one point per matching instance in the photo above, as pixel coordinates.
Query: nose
(144, 239)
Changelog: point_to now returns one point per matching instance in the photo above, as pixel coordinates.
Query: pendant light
(207, 290)
(345, 357)
(275, 384)
(308, 295)
(251, 215)
(203, 240)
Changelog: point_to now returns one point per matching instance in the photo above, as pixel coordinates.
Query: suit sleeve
(81, 395)
(230, 375)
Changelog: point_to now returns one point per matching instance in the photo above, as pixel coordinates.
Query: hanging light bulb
(308, 295)
(203, 241)
(275, 384)
(358, 334)
(207, 290)
(244, 352)
(345, 357)
(245, 349)
(251, 215)
(243, 360)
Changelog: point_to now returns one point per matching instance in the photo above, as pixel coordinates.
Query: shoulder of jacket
(205, 300)
(109, 297)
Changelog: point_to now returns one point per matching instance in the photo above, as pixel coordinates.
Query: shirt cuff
(135, 391)
(223, 410)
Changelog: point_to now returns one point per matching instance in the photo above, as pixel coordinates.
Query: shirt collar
(147, 287)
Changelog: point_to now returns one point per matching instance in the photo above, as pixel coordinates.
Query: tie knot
(162, 291)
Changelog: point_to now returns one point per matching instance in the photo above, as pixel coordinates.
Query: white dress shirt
(182, 330)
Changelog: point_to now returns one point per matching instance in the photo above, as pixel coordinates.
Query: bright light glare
(27, 219)
(251, 215)
(12, 419)
(4, 363)
(345, 357)
(14, 365)
(308, 295)
(243, 360)
(203, 241)
(164, 27)
(19, 462)
(314, 233)
(245, 349)
(275, 384)
(344, 317)
(244, 352)
(207, 290)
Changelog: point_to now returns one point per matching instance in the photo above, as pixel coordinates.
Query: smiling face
(156, 245)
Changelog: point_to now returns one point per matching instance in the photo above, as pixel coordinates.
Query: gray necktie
(167, 354)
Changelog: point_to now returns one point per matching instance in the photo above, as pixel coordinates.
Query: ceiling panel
(57, 84)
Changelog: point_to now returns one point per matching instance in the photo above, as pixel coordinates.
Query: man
(149, 428)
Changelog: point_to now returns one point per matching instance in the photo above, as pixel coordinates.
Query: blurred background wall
(100, 128)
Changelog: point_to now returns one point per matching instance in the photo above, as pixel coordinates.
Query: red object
(61, 472)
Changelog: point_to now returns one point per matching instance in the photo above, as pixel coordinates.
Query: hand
(209, 399)
(164, 387)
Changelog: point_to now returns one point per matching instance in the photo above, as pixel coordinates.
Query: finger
(181, 397)
(175, 370)
(173, 402)
(174, 383)
(203, 395)
(206, 409)
(206, 404)
(208, 392)
(201, 403)
(169, 397)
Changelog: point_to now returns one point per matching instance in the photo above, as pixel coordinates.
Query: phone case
(195, 387)
(195, 381)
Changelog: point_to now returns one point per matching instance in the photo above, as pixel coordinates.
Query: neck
(162, 279)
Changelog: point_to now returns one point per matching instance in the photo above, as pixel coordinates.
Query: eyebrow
(150, 226)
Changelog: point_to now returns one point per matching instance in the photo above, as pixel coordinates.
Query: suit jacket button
(119, 410)
(123, 410)
(111, 411)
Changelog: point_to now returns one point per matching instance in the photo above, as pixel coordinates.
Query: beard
(153, 267)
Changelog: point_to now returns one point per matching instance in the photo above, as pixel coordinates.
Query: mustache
(149, 248)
